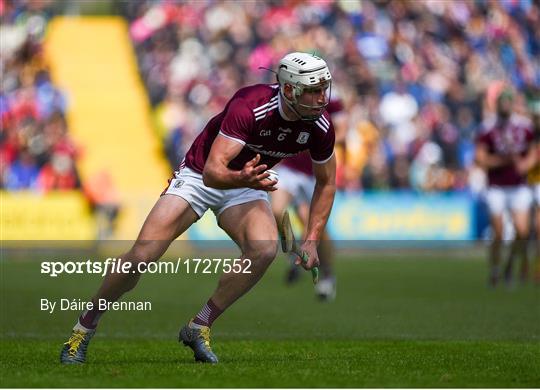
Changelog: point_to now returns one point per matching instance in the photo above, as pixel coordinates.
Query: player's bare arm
(321, 205)
(525, 163)
(487, 160)
(216, 173)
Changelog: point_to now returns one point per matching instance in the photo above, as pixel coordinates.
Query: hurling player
(534, 181)
(504, 149)
(224, 170)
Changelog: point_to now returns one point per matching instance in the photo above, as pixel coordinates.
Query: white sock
(196, 326)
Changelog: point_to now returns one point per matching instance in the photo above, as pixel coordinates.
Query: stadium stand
(109, 114)
(39, 181)
(412, 77)
(415, 72)
(37, 151)
(107, 111)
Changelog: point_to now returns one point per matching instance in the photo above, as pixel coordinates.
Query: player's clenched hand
(309, 247)
(255, 176)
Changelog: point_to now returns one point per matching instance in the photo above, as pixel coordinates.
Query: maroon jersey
(302, 161)
(514, 138)
(252, 117)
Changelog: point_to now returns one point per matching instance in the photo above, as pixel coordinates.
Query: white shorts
(298, 184)
(189, 185)
(518, 198)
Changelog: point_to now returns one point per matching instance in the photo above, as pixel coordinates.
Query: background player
(225, 170)
(534, 181)
(504, 150)
(295, 188)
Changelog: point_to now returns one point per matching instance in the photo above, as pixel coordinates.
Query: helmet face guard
(311, 109)
(307, 75)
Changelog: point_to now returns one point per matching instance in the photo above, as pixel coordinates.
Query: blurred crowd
(36, 151)
(412, 76)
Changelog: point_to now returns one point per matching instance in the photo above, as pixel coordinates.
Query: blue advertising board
(384, 216)
(402, 216)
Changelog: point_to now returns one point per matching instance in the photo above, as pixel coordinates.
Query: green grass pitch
(398, 321)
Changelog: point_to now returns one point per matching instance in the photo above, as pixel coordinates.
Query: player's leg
(289, 193)
(520, 202)
(536, 222)
(169, 217)
(325, 249)
(537, 244)
(495, 248)
(326, 288)
(280, 201)
(496, 202)
(326, 255)
(519, 245)
(253, 228)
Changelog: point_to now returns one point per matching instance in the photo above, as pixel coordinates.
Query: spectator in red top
(58, 174)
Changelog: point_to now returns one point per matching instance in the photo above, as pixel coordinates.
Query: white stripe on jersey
(322, 126)
(231, 138)
(263, 113)
(323, 119)
(323, 161)
(261, 108)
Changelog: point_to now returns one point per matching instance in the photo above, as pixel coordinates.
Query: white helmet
(303, 71)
